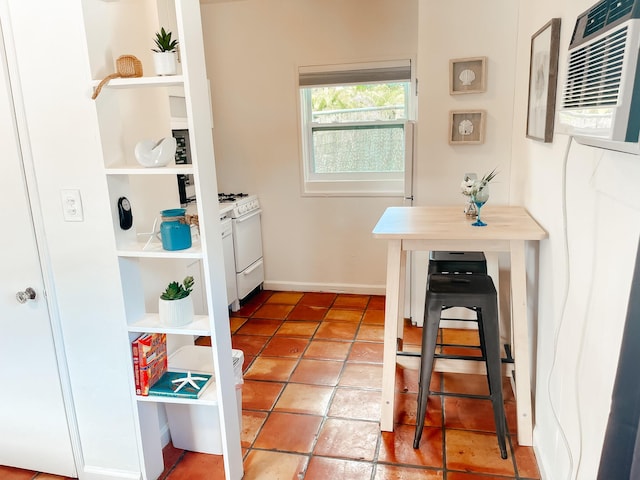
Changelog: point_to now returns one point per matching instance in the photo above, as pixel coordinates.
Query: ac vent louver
(595, 72)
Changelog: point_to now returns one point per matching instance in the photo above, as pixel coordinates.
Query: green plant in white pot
(165, 57)
(175, 307)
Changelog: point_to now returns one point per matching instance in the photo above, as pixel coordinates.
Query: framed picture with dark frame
(466, 127)
(467, 75)
(543, 80)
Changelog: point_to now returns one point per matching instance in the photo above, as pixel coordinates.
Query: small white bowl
(151, 153)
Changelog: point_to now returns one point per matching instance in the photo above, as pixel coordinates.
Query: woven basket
(127, 66)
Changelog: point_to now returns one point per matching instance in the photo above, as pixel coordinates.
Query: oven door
(247, 240)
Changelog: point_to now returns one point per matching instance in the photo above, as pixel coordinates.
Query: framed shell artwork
(466, 127)
(467, 75)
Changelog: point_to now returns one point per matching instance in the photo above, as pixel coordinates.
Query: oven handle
(250, 270)
(247, 217)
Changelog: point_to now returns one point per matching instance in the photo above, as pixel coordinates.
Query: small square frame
(467, 75)
(543, 79)
(474, 126)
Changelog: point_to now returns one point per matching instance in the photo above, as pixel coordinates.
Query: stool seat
(478, 292)
(457, 262)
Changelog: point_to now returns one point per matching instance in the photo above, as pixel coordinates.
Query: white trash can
(197, 427)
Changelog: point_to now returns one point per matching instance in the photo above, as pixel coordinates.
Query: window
(354, 133)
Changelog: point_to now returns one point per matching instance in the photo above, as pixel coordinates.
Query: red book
(149, 360)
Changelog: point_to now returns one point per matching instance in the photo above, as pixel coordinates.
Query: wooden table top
(450, 223)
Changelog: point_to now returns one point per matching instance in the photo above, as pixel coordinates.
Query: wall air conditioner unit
(601, 98)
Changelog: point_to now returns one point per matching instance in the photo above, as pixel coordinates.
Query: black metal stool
(457, 262)
(471, 291)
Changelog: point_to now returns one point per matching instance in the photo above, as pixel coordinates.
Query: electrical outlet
(71, 205)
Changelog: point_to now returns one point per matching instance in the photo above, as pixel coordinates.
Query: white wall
(585, 267)
(253, 49)
(62, 133)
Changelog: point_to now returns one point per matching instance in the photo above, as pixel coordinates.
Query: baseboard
(325, 287)
(99, 473)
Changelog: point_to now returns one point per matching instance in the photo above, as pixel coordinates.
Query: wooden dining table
(430, 228)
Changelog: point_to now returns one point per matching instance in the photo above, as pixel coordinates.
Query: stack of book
(149, 360)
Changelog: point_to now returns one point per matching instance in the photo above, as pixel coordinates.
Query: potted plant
(175, 307)
(165, 53)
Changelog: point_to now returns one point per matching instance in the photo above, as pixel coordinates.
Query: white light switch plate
(71, 205)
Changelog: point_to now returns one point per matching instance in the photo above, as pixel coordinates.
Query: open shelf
(135, 82)
(208, 397)
(139, 170)
(150, 323)
(155, 250)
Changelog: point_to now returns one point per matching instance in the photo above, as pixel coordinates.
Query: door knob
(28, 294)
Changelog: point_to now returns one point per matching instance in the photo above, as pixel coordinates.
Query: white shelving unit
(123, 121)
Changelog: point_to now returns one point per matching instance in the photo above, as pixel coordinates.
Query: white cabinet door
(34, 433)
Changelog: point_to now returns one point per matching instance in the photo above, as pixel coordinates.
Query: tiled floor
(311, 403)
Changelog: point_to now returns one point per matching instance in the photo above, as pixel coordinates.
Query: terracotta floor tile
(170, 456)
(249, 344)
(345, 300)
(327, 350)
(465, 383)
(472, 476)
(321, 468)
(397, 447)
(371, 333)
(412, 335)
(460, 336)
(366, 352)
(269, 368)
(469, 414)
(251, 304)
(299, 398)
(298, 329)
(406, 410)
(353, 439)
(248, 360)
(251, 424)
(235, 323)
(198, 465)
(317, 372)
(356, 404)
(8, 473)
(289, 432)
(407, 379)
(376, 302)
(257, 395)
(526, 461)
(259, 326)
(307, 312)
(273, 311)
(285, 347)
(286, 298)
(342, 315)
(363, 375)
(373, 317)
(476, 452)
(392, 472)
(337, 330)
(264, 465)
(318, 299)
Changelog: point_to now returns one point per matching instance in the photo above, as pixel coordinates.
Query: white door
(34, 432)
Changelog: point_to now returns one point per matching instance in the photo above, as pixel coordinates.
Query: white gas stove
(242, 211)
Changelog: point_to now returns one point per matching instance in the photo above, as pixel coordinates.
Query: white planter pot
(165, 63)
(176, 313)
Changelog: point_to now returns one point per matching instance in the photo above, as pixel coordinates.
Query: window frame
(357, 183)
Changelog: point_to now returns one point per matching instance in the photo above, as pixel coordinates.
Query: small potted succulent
(175, 307)
(165, 54)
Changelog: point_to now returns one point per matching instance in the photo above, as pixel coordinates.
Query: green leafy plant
(176, 291)
(164, 43)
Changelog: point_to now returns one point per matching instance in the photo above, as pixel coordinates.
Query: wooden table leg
(396, 258)
(521, 343)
